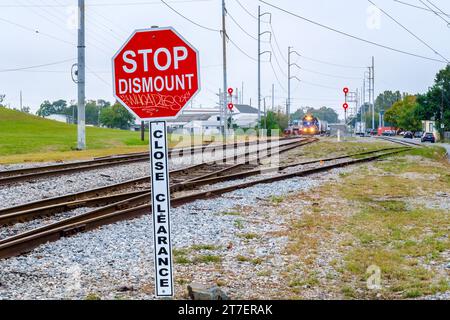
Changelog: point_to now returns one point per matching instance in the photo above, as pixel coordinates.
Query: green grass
(207, 258)
(207, 247)
(374, 211)
(24, 133)
(28, 138)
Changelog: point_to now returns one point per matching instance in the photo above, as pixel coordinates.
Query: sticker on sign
(156, 73)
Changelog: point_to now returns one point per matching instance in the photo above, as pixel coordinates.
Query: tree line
(98, 113)
(407, 111)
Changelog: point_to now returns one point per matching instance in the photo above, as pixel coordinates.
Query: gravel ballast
(118, 256)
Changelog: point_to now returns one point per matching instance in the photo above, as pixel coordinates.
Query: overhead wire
(436, 13)
(352, 36)
(37, 66)
(418, 7)
(190, 20)
(409, 31)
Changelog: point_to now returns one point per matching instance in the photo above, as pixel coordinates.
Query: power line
(409, 31)
(186, 18)
(331, 75)
(351, 36)
(37, 31)
(320, 85)
(418, 7)
(240, 27)
(241, 50)
(276, 60)
(276, 77)
(246, 10)
(277, 44)
(37, 66)
(331, 64)
(110, 4)
(99, 77)
(436, 13)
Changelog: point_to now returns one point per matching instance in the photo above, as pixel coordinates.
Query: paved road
(444, 145)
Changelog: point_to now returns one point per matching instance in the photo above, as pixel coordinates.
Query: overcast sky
(110, 22)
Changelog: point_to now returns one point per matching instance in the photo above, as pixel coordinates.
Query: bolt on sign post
(155, 75)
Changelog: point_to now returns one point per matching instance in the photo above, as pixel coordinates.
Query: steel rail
(29, 240)
(58, 204)
(9, 176)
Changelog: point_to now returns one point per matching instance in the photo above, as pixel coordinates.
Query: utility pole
(223, 111)
(242, 93)
(259, 60)
(288, 111)
(361, 103)
(21, 105)
(142, 130)
(370, 94)
(265, 115)
(442, 128)
(273, 97)
(373, 92)
(81, 78)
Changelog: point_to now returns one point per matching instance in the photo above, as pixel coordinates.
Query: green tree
(430, 104)
(274, 121)
(92, 112)
(386, 100)
(298, 115)
(403, 114)
(45, 109)
(116, 116)
(325, 114)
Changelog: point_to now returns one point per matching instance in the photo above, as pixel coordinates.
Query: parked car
(408, 135)
(418, 134)
(428, 137)
(389, 133)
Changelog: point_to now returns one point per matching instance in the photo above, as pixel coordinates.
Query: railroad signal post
(155, 75)
(345, 105)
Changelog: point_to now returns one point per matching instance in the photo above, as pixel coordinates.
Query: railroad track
(109, 194)
(26, 174)
(139, 205)
(402, 142)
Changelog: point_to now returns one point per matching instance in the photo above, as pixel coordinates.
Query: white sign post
(161, 209)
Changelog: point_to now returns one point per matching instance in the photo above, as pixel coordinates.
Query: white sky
(109, 23)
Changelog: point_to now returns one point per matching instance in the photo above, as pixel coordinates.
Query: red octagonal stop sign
(156, 73)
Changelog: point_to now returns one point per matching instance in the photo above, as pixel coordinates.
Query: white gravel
(104, 260)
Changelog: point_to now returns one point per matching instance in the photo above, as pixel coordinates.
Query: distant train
(308, 125)
(313, 126)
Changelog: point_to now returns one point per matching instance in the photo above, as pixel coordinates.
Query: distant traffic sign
(156, 73)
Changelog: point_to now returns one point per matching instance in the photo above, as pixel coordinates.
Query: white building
(58, 117)
(207, 121)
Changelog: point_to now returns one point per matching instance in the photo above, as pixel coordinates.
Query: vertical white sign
(161, 209)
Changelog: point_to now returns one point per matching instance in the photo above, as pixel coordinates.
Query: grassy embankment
(28, 138)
